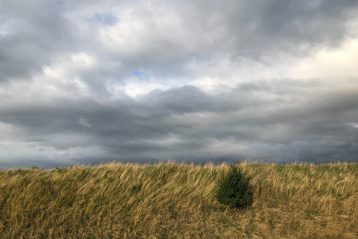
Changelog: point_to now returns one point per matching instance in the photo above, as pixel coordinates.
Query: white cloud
(331, 64)
(61, 79)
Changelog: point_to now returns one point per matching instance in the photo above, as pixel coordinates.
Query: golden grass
(177, 201)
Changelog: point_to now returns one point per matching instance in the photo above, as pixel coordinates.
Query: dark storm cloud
(187, 124)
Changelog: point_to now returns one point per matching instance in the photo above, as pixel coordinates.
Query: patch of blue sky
(105, 18)
(139, 74)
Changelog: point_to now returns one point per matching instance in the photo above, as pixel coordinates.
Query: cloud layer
(90, 82)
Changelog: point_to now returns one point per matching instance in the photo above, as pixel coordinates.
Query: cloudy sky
(205, 80)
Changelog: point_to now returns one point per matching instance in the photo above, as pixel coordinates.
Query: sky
(87, 82)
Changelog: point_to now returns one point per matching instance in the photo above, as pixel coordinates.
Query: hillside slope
(177, 201)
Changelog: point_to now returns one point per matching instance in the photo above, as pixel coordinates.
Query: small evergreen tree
(233, 189)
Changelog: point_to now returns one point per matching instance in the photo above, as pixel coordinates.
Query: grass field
(177, 201)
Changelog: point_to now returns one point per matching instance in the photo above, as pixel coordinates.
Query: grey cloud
(39, 33)
(259, 27)
(204, 29)
(187, 124)
(268, 120)
(234, 29)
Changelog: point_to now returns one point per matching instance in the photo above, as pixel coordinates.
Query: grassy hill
(177, 201)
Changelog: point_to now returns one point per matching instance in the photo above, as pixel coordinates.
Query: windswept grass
(177, 201)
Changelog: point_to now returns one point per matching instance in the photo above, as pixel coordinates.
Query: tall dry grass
(177, 201)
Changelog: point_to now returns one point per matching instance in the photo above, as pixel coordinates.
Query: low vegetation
(233, 189)
(178, 201)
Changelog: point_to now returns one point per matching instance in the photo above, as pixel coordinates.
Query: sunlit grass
(177, 201)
